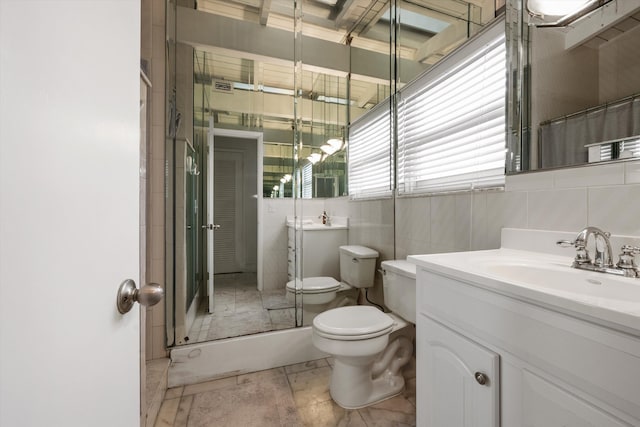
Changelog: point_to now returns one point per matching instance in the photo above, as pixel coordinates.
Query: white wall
(605, 196)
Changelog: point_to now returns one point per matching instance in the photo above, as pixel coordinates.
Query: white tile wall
(605, 196)
(557, 209)
(632, 172)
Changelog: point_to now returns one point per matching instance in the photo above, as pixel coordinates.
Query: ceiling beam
(345, 9)
(265, 9)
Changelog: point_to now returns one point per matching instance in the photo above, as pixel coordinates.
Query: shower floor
(240, 309)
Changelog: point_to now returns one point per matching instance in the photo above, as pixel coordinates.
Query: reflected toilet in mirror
(357, 268)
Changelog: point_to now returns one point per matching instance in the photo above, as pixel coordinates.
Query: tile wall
(153, 52)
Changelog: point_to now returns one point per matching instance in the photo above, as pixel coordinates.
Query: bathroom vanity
(510, 337)
(319, 243)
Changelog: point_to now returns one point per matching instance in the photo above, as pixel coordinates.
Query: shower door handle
(211, 226)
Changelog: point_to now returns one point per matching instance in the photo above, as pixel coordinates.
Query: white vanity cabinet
(319, 255)
(542, 366)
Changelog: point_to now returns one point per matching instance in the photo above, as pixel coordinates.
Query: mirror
(287, 78)
(576, 87)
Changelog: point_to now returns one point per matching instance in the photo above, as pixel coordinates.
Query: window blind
(451, 120)
(307, 173)
(370, 152)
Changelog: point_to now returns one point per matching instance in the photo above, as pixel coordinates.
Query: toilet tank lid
(359, 251)
(400, 266)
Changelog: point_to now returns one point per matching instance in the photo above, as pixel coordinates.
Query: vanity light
(328, 149)
(314, 158)
(557, 8)
(335, 143)
(276, 188)
(287, 178)
(282, 180)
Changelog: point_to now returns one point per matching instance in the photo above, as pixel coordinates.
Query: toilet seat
(353, 323)
(314, 285)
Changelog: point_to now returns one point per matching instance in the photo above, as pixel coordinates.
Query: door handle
(211, 226)
(128, 293)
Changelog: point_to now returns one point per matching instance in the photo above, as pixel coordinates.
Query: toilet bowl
(319, 294)
(366, 366)
(357, 270)
(315, 290)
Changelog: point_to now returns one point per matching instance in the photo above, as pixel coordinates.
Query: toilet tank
(399, 287)
(358, 266)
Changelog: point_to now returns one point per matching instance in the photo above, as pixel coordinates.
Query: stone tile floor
(240, 309)
(295, 395)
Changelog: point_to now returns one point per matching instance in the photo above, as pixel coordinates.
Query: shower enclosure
(266, 98)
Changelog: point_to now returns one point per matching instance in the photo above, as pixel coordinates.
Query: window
(307, 173)
(451, 120)
(370, 154)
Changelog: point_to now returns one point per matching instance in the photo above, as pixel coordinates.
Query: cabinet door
(545, 404)
(458, 379)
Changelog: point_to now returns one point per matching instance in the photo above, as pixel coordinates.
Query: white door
(228, 251)
(69, 205)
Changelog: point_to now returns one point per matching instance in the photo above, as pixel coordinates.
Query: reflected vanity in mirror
(584, 70)
(266, 98)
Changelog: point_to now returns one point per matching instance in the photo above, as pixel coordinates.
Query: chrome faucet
(603, 259)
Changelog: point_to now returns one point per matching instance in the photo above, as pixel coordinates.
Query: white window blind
(451, 120)
(307, 172)
(370, 154)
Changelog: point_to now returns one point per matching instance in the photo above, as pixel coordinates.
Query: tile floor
(240, 309)
(295, 395)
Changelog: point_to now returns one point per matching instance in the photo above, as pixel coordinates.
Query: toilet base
(352, 385)
(379, 390)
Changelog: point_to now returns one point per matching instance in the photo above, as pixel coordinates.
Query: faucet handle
(626, 259)
(630, 250)
(582, 255)
(566, 243)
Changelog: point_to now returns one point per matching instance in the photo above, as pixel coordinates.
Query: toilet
(366, 366)
(319, 294)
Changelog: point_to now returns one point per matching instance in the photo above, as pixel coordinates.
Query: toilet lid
(353, 322)
(315, 285)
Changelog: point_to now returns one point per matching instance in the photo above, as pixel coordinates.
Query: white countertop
(314, 224)
(547, 280)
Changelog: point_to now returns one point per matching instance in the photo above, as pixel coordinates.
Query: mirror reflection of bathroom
(259, 197)
(587, 108)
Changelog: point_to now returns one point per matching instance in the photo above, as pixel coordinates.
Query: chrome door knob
(148, 295)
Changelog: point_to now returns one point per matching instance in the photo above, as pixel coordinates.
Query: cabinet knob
(481, 378)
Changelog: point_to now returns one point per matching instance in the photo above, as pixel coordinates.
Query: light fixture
(335, 143)
(329, 150)
(287, 178)
(557, 7)
(276, 188)
(314, 158)
(559, 13)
